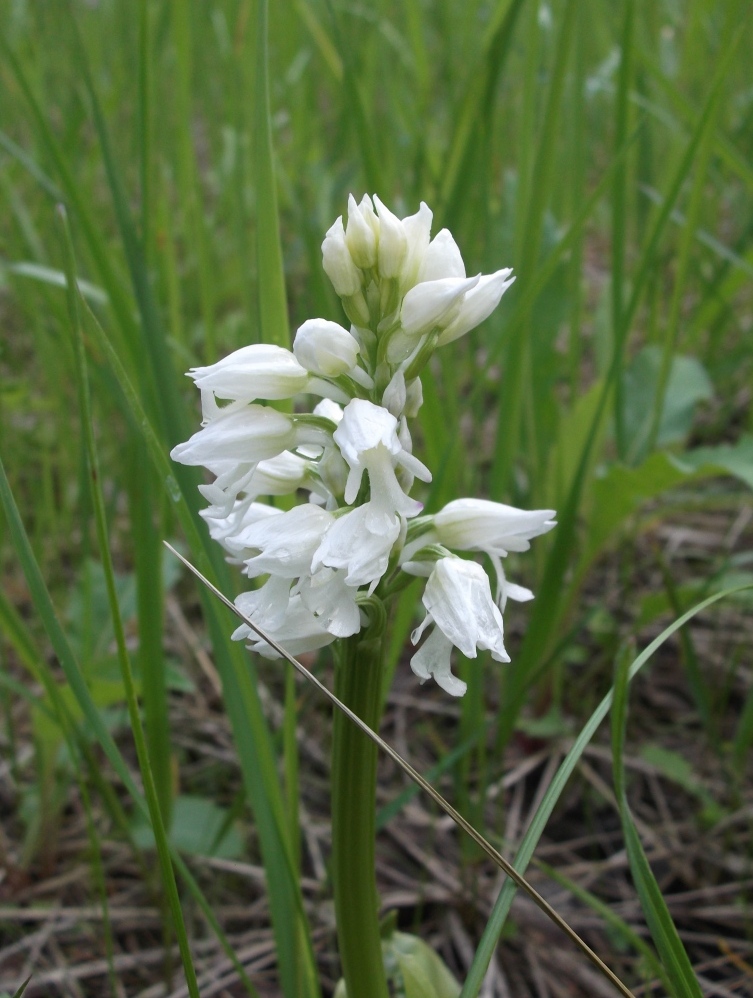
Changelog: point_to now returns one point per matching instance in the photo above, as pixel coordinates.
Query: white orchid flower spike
(355, 534)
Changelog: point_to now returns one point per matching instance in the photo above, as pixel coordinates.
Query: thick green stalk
(354, 760)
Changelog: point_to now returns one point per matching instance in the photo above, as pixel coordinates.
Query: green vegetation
(178, 165)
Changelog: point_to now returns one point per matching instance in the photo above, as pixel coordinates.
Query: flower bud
(247, 436)
(417, 229)
(429, 305)
(360, 237)
(325, 348)
(394, 395)
(338, 263)
(414, 397)
(483, 525)
(442, 259)
(258, 371)
(478, 304)
(393, 242)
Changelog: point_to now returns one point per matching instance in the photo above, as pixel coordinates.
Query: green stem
(354, 759)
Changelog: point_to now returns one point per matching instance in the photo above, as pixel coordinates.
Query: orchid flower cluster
(360, 534)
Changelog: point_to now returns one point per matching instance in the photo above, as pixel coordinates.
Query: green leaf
(199, 827)
(413, 968)
(731, 459)
(687, 385)
(621, 491)
(424, 975)
(77, 683)
(22, 988)
(682, 979)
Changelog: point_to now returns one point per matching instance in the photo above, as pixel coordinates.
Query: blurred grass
(603, 151)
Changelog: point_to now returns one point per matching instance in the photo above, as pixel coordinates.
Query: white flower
(338, 263)
(433, 304)
(404, 294)
(259, 371)
(268, 605)
(360, 543)
(482, 525)
(332, 601)
(330, 410)
(281, 475)
(459, 603)
(491, 527)
(247, 435)
(224, 528)
(478, 304)
(432, 660)
(286, 543)
(508, 590)
(235, 441)
(368, 440)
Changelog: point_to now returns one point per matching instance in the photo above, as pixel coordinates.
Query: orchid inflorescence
(360, 536)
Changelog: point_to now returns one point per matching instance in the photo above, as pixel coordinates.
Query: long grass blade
(535, 830)
(273, 307)
(157, 816)
(250, 730)
(619, 195)
(77, 683)
(518, 368)
(159, 371)
(684, 983)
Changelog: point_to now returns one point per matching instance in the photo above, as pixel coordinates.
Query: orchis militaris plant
(332, 562)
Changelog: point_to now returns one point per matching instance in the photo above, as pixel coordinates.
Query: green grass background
(200, 151)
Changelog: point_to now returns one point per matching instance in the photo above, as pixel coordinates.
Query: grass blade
(684, 983)
(619, 193)
(157, 817)
(273, 307)
(530, 840)
(159, 370)
(251, 734)
(518, 368)
(476, 104)
(75, 679)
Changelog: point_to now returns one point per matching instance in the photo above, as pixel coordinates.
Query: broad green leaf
(413, 968)
(687, 385)
(423, 973)
(199, 827)
(731, 459)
